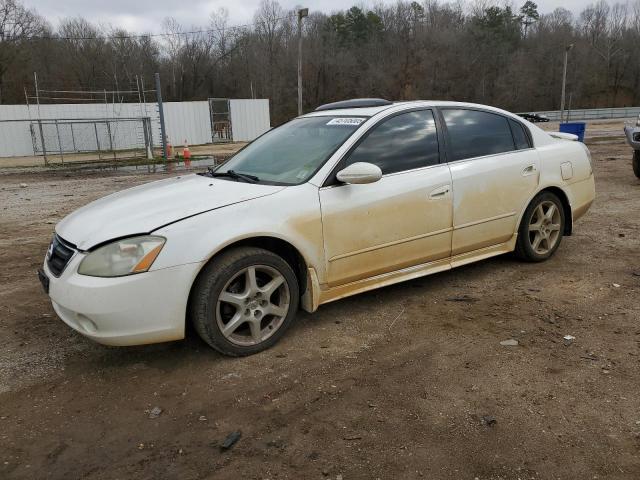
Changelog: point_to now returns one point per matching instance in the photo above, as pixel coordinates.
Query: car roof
(540, 137)
(371, 111)
(350, 112)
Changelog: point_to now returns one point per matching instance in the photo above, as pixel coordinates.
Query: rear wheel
(541, 229)
(636, 163)
(244, 301)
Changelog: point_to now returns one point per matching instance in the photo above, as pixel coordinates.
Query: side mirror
(360, 173)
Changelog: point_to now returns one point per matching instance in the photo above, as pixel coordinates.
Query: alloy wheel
(253, 305)
(544, 227)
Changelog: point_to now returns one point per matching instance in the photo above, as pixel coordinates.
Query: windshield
(291, 153)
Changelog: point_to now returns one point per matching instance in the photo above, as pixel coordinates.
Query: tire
(636, 163)
(540, 231)
(240, 286)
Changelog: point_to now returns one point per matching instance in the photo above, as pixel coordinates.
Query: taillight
(586, 150)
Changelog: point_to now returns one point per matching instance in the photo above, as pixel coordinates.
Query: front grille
(59, 254)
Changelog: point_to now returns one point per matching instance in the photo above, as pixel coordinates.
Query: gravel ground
(405, 382)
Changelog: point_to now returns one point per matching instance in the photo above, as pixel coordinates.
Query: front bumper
(633, 136)
(133, 310)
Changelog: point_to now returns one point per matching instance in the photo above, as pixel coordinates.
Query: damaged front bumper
(130, 310)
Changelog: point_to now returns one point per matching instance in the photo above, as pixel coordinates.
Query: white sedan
(354, 196)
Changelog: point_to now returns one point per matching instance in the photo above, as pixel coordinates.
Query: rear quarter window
(520, 137)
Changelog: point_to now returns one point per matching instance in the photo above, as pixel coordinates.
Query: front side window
(475, 133)
(403, 142)
(291, 153)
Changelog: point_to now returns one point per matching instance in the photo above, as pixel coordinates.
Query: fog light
(86, 324)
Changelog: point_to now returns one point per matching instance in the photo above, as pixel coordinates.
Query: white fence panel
(249, 119)
(188, 121)
(15, 137)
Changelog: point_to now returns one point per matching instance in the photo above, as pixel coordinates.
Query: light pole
(564, 80)
(303, 12)
(163, 131)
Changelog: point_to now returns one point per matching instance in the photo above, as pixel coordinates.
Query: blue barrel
(576, 128)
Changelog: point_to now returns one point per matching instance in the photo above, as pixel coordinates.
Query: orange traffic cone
(169, 149)
(186, 154)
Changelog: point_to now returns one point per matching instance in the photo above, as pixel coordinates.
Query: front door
(402, 220)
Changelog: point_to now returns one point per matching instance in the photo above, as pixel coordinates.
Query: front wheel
(541, 228)
(636, 163)
(244, 301)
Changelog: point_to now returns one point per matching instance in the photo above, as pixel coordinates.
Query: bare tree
(174, 43)
(17, 25)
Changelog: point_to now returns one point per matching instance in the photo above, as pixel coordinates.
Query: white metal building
(190, 121)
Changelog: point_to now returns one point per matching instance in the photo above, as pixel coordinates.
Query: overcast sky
(146, 15)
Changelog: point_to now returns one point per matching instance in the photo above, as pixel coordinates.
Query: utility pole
(302, 13)
(564, 80)
(44, 147)
(163, 132)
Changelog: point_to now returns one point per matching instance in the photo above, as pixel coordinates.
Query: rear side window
(475, 133)
(519, 135)
(403, 142)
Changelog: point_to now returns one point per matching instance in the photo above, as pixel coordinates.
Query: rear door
(494, 170)
(404, 219)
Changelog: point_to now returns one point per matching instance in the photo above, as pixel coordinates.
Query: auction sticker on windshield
(345, 121)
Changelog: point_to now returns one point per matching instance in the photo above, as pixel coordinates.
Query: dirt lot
(410, 381)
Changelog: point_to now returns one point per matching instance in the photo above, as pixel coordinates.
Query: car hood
(147, 207)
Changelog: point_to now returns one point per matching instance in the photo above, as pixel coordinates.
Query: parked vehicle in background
(534, 117)
(356, 195)
(633, 137)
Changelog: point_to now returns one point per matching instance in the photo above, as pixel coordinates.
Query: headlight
(123, 257)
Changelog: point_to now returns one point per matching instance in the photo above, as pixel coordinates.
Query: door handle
(529, 170)
(439, 192)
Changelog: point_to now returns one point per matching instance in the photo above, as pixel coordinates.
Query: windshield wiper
(235, 175)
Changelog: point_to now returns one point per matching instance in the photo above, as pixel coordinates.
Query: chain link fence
(220, 111)
(107, 138)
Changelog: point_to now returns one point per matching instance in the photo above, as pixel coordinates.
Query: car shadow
(194, 352)
(447, 283)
